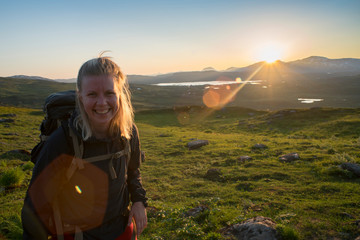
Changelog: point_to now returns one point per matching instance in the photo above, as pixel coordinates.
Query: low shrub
(28, 166)
(11, 226)
(12, 178)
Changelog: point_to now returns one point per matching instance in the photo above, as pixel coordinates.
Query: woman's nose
(101, 100)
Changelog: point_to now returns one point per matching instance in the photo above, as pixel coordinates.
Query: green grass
(311, 198)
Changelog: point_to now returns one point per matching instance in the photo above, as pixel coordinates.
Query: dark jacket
(91, 199)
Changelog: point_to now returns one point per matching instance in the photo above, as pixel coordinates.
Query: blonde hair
(122, 122)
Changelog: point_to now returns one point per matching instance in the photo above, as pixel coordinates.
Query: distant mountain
(315, 64)
(30, 77)
(209, 69)
(315, 67)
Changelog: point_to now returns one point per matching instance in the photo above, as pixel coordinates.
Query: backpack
(58, 107)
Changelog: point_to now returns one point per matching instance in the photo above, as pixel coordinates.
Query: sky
(52, 39)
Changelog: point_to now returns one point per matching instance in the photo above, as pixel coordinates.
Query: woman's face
(100, 99)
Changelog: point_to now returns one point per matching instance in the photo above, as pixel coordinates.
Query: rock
(20, 151)
(8, 115)
(196, 211)
(285, 217)
(259, 146)
(241, 122)
(6, 120)
(164, 135)
(279, 115)
(213, 174)
(197, 144)
(289, 157)
(248, 187)
(352, 167)
(257, 228)
(357, 223)
(20, 154)
(244, 158)
(10, 134)
(142, 156)
(346, 215)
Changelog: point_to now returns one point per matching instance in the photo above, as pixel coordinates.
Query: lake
(188, 84)
(310, 100)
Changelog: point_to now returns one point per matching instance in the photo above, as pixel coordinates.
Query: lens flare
(78, 189)
(211, 99)
(183, 117)
(216, 99)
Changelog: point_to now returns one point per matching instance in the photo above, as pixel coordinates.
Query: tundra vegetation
(309, 198)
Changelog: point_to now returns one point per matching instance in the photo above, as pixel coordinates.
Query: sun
(270, 53)
(270, 56)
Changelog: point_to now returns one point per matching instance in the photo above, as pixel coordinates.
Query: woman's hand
(138, 212)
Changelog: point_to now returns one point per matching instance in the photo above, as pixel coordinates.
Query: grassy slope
(309, 196)
(28, 93)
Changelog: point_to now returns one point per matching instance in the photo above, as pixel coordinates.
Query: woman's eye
(91, 94)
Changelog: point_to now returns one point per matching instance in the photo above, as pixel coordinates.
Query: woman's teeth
(102, 111)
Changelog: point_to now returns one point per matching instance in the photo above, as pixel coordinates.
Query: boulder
(214, 174)
(10, 134)
(257, 228)
(20, 151)
(289, 157)
(197, 144)
(352, 167)
(243, 159)
(247, 187)
(6, 120)
(346, 215)
(194, 212)
(142, 156)
(259, 146)
(8, 115)
(164, 135)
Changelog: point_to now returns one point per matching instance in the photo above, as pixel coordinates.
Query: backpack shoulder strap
(79, 151)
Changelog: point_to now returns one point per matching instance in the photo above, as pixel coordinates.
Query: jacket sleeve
(137, 192)
(48, 176)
